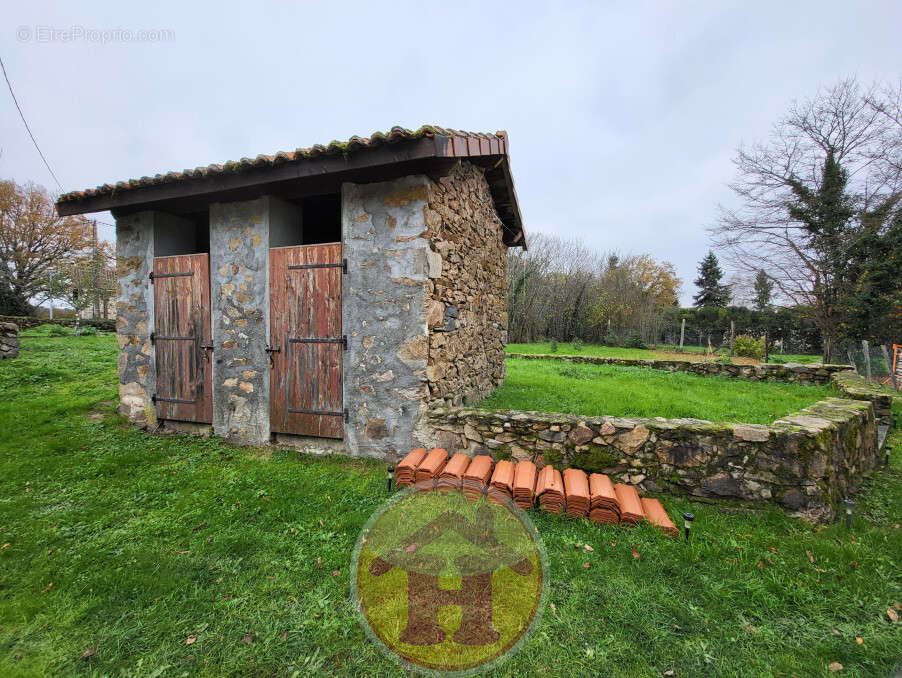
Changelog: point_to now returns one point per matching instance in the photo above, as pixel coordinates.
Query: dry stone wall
(803, 374)
(9, 340)
(466, 309)
(806, 462)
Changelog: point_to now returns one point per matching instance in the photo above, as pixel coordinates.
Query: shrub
(50, 330)
(577, 345)
(634, 341)
(554, 345)
(748, 347)
(610, 340)
(88, 331)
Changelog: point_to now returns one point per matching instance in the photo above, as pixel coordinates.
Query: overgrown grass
(594, 390)
(127, 544)
(663, 352)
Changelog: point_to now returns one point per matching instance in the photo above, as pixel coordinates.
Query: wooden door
(305, 340)
(181, 337)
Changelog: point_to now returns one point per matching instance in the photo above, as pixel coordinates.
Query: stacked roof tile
(582, 496)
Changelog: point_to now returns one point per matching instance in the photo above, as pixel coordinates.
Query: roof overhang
(431, 151)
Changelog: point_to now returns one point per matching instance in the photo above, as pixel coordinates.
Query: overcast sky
(623, 117)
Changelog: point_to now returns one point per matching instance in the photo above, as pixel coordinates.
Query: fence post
(732, 336)
(867, 358)
(682, 333)
(889, 366)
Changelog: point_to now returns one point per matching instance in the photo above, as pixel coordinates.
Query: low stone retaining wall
(9, 340)
(27, 322)
(805, 374)
(806, 462)
(855, 386)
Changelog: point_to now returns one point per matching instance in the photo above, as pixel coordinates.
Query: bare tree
(785, 224)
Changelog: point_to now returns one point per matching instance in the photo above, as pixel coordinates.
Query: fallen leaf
(577, 546)
(836, 632)
(200, 527)
(892, 614)
(284, 635)
(748, 628)
(48, 587)
(677, 627)
(553, 607)
(614, 543)
(817, 569)
(588, 548)
(760, 564)
(412, 548)
(810, 557)
(319, 561)
(897, 605)
(316, 615)
(773, 549)
(635, 551)
(190, 640)
(835, 666)
(320, 523)
(854, 564)
(586, 565)
(859, 640)
(90, 652)
(669, 672)
(248, 638)
(854, 539)
(5, 546)
(335, 573)
(182, 553)
(271, 578)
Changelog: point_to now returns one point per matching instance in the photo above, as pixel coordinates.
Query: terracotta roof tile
(524, 484)
(503, 477)
(657, 516)
(432, 465)
(452, 474)
(477, 476)
(406, 469)
(631, 511)
(352, 145)
(576, 487)
(550, 490)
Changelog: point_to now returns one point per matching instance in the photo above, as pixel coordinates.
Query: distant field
(594, 390)
(663, 352)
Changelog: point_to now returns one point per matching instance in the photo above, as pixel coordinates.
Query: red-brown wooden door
(306, 340)
(181, 337)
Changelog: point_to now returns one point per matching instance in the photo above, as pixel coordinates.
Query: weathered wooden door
(305, 340)
(181, 337)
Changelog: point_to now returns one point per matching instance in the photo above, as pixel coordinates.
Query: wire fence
(877, 363)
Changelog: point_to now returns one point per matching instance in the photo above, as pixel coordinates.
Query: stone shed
(326, 297)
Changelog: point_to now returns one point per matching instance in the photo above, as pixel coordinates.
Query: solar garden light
(849, 504)
(887, 449)
(687, 521)
(391, 471)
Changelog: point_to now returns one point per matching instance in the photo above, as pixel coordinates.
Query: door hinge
(153, 338)
(344, 342)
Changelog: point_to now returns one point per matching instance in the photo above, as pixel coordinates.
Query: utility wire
(27, 128)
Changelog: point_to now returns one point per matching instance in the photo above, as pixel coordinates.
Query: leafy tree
(712, 293)
(807, 196)
(764, 290)
(34, 239)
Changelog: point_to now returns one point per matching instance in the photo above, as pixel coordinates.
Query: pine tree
(764, 290)
(711, 292)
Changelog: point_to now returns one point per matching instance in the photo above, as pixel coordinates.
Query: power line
(27, 128)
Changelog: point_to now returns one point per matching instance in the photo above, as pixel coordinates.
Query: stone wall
(466, 307)
(134, 317)
(27, 322)
(9, 340)
(855, 386)
(389, 266)
(806, 462)
(805, 374)
(239, 282)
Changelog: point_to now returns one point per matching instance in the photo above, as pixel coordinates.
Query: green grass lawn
(663, 352)
(127, 544)
(594, 390)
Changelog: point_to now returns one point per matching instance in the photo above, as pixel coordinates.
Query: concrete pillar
(134, 316)
(383, 293)
(239, 271)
